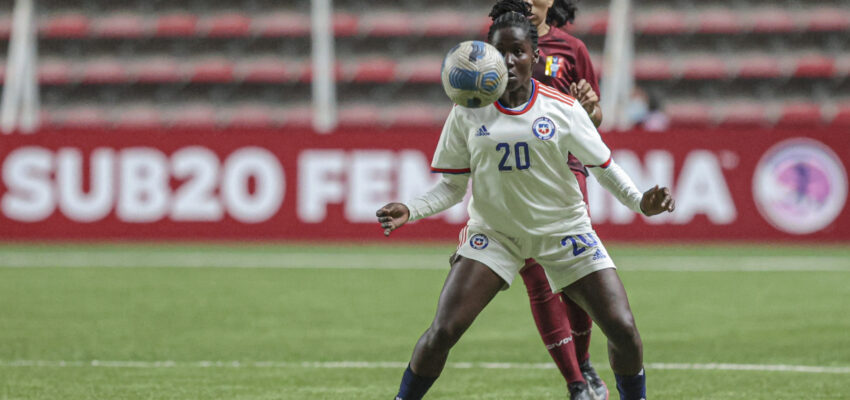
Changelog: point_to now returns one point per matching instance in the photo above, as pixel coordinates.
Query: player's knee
(442, 336)
(624, 333)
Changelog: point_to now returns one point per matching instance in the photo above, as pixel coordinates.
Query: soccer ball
(474, 74)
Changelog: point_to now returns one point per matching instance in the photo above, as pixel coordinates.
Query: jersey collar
(528, 105)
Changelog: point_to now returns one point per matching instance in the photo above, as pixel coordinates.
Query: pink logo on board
(800, 186)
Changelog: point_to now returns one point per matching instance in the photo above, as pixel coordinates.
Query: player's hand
(392, 216)
(657, 200)
(585, 95)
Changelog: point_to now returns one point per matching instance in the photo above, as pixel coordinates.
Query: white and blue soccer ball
(474, 74)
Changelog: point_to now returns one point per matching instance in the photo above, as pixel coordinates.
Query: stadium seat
(743, 115)
(827, 20)
(264, 71)
(449, 24)
(54, 72)
(421, 71)
(106, 71)
(5, 26)
(345, 24)
(423, 114)
(119, 26)
(79, 117)
(176, 25)
(689, 115)
(250, 117)
(193, 117)
(661, 22)
(138, 117)
(297, 116)
(652, 68)
(718, 22)
(226, 25)
(373, 70)
(65, 26)
(800, 114)
(772, 21)
(212, 71)
(359, 115)
(759, 67)
(705, 67)
(158, 70)
(282, 25)
(815, 66)
(387, 25)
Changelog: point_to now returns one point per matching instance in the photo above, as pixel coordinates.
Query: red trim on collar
(527, 107)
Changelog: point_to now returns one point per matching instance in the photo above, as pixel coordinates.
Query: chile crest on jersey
(543, 128)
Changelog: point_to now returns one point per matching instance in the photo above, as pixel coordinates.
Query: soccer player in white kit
(525, 203)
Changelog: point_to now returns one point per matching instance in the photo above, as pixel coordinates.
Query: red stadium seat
(800, 114)
(345, 24)
(80, 117)
(827, 20)
(299, 116)
(421, 71)
(652, 68)
(54, 72)
(387, 25)
(662, 22)
(159, 70)
(212, 71)
(5, 27)
(374, 70)
(595, 23)
(718, 22)
(704, 67)
(226, 25)
(140, 117)
(120, 26)
(690, 115)
(772, 21)
(360, 115)
(815, 66)
(744, 115)
(177, 25)
(448, 24)
(409, 115)
(250, 117)
(65, 26)
(264, 71)
(107, 71)
(282, 25)
(759, 67)
(194, 117)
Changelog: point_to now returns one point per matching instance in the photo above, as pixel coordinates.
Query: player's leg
(550, 316)
(469, 287)
(581, 324)
(601, 293)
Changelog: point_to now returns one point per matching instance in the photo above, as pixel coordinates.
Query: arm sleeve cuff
(616, 181)
(449, 191)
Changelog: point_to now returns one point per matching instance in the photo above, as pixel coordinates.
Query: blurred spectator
(656, 120)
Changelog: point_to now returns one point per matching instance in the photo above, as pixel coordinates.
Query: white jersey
(521, 183)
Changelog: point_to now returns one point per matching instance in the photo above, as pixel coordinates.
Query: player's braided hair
(512, 14)
(561, 13)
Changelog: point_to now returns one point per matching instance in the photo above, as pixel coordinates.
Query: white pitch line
(413, 261)
(813, 369)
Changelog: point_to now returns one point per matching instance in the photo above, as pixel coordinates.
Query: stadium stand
(191, 63)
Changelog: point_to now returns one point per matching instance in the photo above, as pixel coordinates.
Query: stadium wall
(749, 185)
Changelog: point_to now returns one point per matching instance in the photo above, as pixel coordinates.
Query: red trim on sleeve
(603, 165)
(450, 171)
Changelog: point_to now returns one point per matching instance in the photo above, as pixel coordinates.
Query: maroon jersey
(564, 60)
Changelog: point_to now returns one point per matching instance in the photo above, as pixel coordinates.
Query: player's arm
(446, 193)
(584, 142)
(451, 158)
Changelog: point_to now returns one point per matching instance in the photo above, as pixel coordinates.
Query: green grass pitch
(150, 321)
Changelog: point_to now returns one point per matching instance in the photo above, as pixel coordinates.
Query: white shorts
(565, 258)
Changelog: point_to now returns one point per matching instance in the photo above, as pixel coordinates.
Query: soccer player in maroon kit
(564, 327)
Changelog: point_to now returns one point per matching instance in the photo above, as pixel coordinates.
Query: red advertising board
(299, 185)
